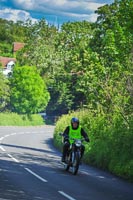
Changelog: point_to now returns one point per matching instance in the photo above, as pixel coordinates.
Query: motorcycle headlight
(78, 143)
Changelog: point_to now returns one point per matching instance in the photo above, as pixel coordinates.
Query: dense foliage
(11, 32)
(28, 91)
(84, 65)
(110, 146)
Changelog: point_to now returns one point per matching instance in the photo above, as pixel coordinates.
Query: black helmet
(74, 119)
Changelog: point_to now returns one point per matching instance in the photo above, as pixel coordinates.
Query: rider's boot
(80, 162)
(63, 159)
(64, 153)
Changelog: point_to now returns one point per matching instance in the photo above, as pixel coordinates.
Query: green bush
(110, 146)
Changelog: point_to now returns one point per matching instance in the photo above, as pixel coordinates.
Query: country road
(30, 169)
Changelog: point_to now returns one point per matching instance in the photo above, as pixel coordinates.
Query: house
(7, 64)
(17, 46)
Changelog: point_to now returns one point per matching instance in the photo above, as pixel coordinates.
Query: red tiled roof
(17, 46)
(5, 60)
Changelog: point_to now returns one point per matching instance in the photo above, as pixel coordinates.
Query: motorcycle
(73, 156)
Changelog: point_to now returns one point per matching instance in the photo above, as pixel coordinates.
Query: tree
(71, 45)
(113, 43)
(11, 31)
(28, 91)
(39, 48)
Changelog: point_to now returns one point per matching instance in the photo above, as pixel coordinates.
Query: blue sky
(54, 11)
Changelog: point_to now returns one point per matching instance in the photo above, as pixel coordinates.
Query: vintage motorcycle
(73, 157)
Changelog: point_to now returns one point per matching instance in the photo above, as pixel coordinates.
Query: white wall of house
(9, 68)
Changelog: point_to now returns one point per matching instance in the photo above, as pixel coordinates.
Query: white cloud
(92, 17)
(15, 15)
(61, 7)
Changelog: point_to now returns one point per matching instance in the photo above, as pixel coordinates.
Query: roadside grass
(13, 119)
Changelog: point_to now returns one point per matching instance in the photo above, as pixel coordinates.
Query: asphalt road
(30, 169)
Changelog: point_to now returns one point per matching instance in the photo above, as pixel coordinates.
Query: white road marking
(37, 176)
(2, 148)
(84, 172)
(13, 158)
(6, 136)
(12, 134)
(1, 138)
(100, 176)
(66, 195)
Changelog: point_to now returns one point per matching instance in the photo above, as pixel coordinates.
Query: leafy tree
(14, 31)
(71, 45)
(39, 48)
(6, 49)
(113, 45)
(28, 91)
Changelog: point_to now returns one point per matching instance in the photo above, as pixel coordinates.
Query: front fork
(75, 154)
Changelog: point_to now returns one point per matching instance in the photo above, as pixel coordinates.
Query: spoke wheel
(67, 165)
(75, 163)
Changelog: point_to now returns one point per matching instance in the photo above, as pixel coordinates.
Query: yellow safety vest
(74, 133)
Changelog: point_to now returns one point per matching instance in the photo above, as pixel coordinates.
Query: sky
(55, 12)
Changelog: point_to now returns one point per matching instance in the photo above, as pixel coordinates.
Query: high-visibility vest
(74, 133)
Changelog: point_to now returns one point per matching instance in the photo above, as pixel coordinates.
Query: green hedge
(110, 146)
(13, 119)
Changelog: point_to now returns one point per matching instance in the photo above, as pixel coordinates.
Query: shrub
(110, 146)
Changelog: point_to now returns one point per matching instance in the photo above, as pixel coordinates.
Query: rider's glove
(66, 139)
(87, 139)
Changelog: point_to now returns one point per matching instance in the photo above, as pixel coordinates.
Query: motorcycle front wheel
(67, 165)
(75, 162)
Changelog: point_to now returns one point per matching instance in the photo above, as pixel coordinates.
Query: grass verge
(13, 119)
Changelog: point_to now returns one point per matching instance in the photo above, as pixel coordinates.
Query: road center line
(13, 158)
(66, 195)
(1, 138)
(37, 176)
(2, 148)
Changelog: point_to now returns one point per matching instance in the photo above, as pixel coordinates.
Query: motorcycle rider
(73, 131)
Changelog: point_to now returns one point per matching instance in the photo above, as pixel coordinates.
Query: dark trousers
(66, 147)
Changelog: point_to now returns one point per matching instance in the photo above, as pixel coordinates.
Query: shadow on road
(10, 189)
(28, 148)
